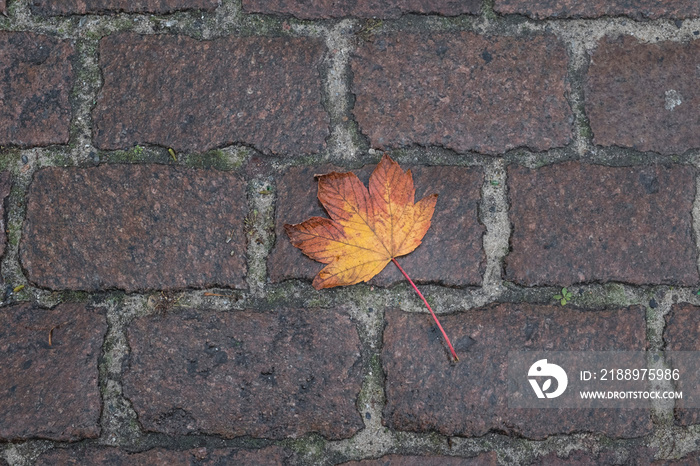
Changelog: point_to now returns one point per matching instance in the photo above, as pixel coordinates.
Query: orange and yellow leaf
(367, 227)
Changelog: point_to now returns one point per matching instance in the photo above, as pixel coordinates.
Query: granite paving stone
(36, 76)
(636, 455)
(484, 459)
(134, 227)
(462, 91)
(323, 9)
(644, 95)
(638, 9)
(579, 223)
(162, 457)
(49, 387)
(273, 374)
(681, 334)
(691, 459)
(259, 91)
(79, 7)
(425, 392)
(451, 253)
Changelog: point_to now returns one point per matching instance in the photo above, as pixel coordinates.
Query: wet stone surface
(36, 76)
(637, 455)
(425, 392)
(79, 7)
(264, 374)
(462, 91)
(681, 334)
(162, 457)
(577, 223)
(644, 96)
(320, 9)
(263, 92)
(451, 253)
(49, 387)
(638, 9)
(134, 227)
(484, 459)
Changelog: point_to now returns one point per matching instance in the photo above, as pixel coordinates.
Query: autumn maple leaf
(367, 229)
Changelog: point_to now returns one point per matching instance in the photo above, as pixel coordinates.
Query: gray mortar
(25, 454)
(347, 146)
(342, 140)
(118, 421)
(260, 225)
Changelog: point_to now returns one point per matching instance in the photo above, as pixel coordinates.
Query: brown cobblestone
(484, 459)
(577, 223)
(644, 96)
(80, 7)
(451, 253)
(161, 457)
(264, 92)
(426, 393)
(134, 227)
(638, 9)
(322, 9)
(637, 456)
(692, 459)
(49, 386)
(682, 333)
(272, 374)
(36, 76)
(462, 91)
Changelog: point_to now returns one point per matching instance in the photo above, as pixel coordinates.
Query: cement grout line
(86, 87)
(259, 229)
(26, 453)
(339, 43)
(493, 213)
(118, 420)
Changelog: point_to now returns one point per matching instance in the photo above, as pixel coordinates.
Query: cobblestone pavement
(154, 312)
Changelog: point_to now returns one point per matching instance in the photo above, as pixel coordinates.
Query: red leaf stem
(454, 355)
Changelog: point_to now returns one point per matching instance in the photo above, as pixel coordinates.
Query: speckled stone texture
(196, 95)
(161, 457)
(484, 459)
(644, 96)
(691, 459)
(50, 391)
(264, 374)
(638, 9)
(134, 227)
(451, 253)
(79, 7)
(636, 455)
(36, 76)
(425, 392)
(577, 223)
(682, 333)
(462, 91)
(321, 9)
(5, 187)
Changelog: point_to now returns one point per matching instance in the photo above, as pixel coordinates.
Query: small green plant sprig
(564, 297)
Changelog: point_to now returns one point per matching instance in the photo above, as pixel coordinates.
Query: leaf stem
(454, 355)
